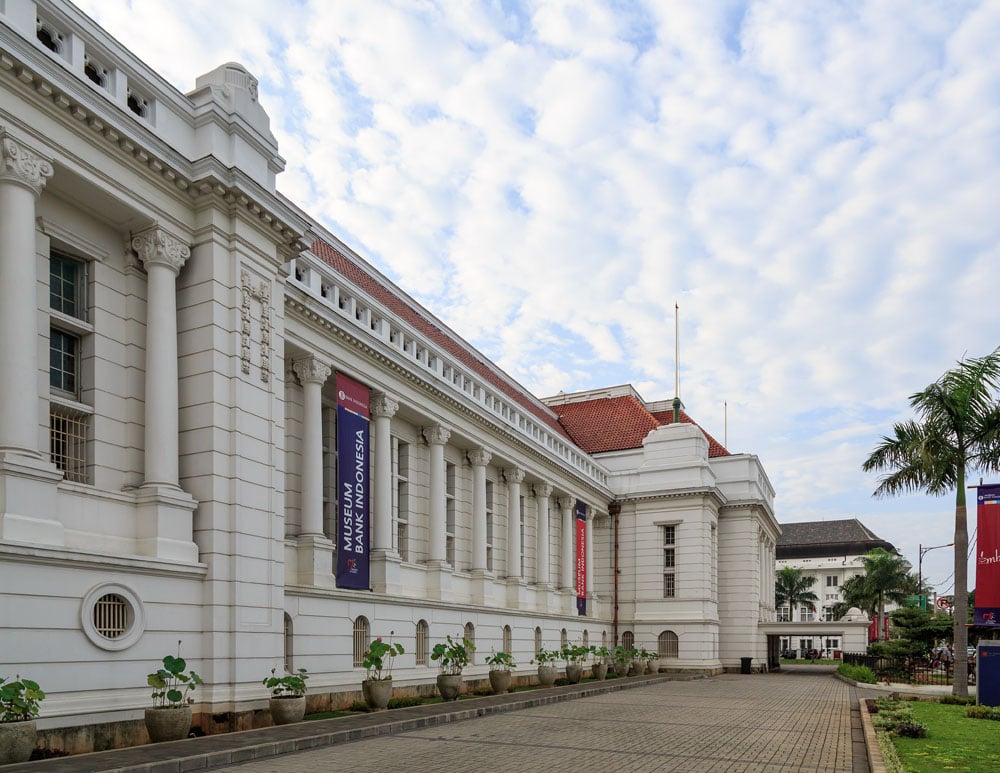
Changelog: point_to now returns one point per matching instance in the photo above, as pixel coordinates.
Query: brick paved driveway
(772, 722)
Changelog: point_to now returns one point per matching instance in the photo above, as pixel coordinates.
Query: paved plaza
(775, 722)
(799, 719)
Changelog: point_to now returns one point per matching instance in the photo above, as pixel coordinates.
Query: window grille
(289, 660)
(401, 496)
(563, 638)
(667, 645)
(628, 640)
(112, 616)
(669, 561)
(604, 638)
(489, 525)
(423, 642)
(507, 639)
(362, 638)
(538, 640)
(586, 638)
(449, 503)
(68, 431)
(521, 527)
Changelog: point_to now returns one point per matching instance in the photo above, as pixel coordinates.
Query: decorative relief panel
(258, 297)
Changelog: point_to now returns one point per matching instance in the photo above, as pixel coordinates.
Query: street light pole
(920, 568)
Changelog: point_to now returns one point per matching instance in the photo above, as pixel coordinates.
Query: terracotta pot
(500, 681)
(449, 685)
(377, 693)
(17, 741)
(600, 671)
(168, 723)
(546, 675)
(286, 709)
(574, 672)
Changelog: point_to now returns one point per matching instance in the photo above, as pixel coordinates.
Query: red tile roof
(618, 423)
(409, 311)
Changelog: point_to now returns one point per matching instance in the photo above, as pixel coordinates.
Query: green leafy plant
(601, 654)
(454, 655)
(170, 684)
(546, 657)
(857, 673)
(287, 685)
(501, 661)
(574, 653)
(379, 658)
(19, 699)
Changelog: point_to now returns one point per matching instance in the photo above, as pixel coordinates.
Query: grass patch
(954, 742)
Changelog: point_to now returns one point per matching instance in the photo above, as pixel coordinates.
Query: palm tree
(887, 578)
(958, 431)
(792, 587)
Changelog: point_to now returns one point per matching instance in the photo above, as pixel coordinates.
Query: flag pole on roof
(677, 356)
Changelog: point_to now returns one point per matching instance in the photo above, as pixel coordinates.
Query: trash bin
(745, 665)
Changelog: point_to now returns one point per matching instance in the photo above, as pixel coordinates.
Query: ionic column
(23, 175)
(163, 256)
(590, 554)
(479, 458)
(312, 375)
(436, 437)
(514, 476)
(542, 493)
(382, 408)
(567, 563)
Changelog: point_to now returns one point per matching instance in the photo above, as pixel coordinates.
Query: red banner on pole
(987, 556)
(581, 558)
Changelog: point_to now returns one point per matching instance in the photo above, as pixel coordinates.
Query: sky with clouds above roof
(814, 183)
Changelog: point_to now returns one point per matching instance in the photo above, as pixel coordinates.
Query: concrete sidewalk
(771, 722)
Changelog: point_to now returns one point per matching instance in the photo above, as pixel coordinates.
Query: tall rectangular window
(69, 418)
(329, 419)
(521, 518)
(489, 525)
(832, 580)
(401, 496)
(449, 507)
(669, 562)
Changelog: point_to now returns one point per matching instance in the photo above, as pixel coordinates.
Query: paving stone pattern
(774, 722)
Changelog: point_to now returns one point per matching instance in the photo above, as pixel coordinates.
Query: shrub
(857, 673)
(911, 729)
(956, 700)
(983, 712)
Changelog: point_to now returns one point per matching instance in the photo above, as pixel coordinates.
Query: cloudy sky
(814, 183)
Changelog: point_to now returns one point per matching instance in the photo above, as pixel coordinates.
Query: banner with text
(352, 483)
(988, 556)
(581, 558)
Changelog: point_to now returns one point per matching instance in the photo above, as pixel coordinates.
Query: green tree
(886, 578)
(921, 627)
(791, 587)
(957, 431)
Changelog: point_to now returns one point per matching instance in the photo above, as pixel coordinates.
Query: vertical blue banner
(353, 484)
(581, 558)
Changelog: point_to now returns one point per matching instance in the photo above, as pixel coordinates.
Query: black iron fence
(909, 670)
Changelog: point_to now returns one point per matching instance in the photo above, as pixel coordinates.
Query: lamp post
(920, 569)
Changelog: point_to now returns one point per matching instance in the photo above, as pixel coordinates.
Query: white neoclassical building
(220, 425)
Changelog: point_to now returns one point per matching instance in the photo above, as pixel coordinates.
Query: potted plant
(574, 655)
(288, 696)
(453, 655)
(650, 660)
(622, 659)
(377, 686)
(170, 717)
(546, 660)
(637, 666)
(500, 664)
(602, 656)
(19, 699)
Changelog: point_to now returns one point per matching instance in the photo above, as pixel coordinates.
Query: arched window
(470, 634)
(362, 638)
(288, 643)
(586, 638)
(538, 640)
(628, 640)
(666, 645)
(423, 642)
(604, 638)
(563, 638)
(507, 639)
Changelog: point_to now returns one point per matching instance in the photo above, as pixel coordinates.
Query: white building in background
(831, 552)
(172, 332)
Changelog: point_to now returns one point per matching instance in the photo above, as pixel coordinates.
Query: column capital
(513, 474)
(382, 405)
(566, 503)
(155, 247)
(311, 370)
(436, 435)
(23, 166)
(543, 490)
(479, 457)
